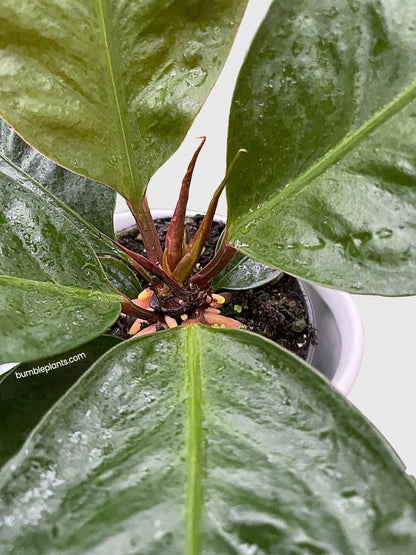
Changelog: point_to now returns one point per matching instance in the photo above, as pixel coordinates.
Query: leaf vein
(334, 155)
(70, 290)
(194, 447)
(115, 92)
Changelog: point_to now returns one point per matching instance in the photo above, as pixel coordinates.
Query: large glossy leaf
(198, 440)
(325, 107)
(244, 273)
(108, 88)
(30, 389)
(100, 244)
(93, 201)
(120, 275)
(53, 291)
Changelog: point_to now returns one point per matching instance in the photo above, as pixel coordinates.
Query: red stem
(154, 269)
(175, 234)
(184, 268)
(140, 270)
(222, 257)
(128, 307)
(141, 212)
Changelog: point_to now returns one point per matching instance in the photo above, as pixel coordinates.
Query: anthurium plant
(198, 438)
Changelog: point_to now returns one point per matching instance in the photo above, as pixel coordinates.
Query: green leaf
(97, 202)
(30, 389)
(122, 278)
(93, 201)
(244, 273)
(198, 440)
(108, 89)
(325, 106)
(53, 292)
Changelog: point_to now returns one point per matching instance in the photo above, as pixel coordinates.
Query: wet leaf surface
(92, 201)
(244, 273)
(53, 291)
(87, 204)
(120, 275)
(30, 389)
(205, 440)
(109, 89)
(327, 191)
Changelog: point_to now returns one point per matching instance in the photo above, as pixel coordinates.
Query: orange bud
(171, 322)
(213, 310)
(145, 331)
(219, 299)
(145, 294)
(136, 326)
(211, 318)
(143, 299)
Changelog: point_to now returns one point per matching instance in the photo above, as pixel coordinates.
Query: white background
(386, 385)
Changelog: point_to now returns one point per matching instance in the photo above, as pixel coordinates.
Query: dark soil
(276, 310)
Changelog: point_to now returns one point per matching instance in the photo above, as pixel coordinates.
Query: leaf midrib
(334, 155)
(194, 446)
(70, 290)
(116, 94)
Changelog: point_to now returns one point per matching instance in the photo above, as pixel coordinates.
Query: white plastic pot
(339, 352)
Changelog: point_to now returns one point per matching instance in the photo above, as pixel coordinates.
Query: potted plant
(200, 438)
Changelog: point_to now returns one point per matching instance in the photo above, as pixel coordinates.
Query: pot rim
(351, 331)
